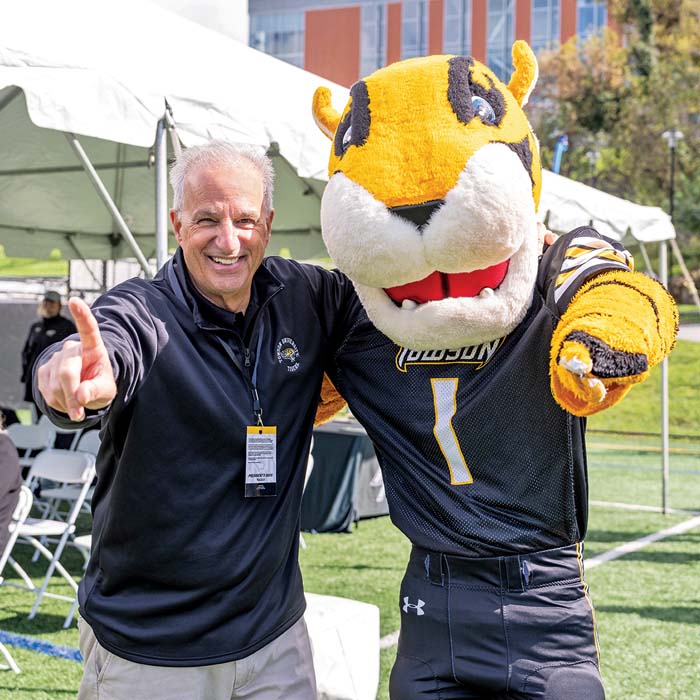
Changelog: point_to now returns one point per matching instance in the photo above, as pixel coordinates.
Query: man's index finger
(86, 324)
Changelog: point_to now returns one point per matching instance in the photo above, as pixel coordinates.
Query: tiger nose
(418, 214)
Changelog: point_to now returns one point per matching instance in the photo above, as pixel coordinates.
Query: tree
(616, 94)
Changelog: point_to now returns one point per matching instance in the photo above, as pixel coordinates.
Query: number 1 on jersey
(445, 400)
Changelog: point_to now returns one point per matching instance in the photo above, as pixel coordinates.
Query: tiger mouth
(441, 285)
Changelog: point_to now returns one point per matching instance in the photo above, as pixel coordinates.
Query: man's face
(223, 231)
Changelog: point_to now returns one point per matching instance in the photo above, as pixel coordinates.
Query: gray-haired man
(206, 380)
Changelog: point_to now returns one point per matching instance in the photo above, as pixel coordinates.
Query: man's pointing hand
(79, 375)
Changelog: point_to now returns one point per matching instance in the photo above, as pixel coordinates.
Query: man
(206, 380)
(51, 328)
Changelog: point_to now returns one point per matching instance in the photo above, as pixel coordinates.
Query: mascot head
(430, 206)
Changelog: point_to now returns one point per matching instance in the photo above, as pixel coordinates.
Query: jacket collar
(265, 285)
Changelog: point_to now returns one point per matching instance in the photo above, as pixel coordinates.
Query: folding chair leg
(69, 617)
(8, 657)
(55, 564)
(74, 606)
(22, 574)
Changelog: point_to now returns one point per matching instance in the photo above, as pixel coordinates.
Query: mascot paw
(574, 365)
(587, 364)
(582, 355)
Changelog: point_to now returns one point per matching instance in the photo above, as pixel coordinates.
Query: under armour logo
(412, 606)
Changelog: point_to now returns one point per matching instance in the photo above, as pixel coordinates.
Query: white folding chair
(30, 438)
(73, 433)
(83, 543)
(89, 442)
(24, 505)
(69, 467)
(52, 497)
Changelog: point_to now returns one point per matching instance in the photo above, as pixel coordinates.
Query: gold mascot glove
(616, 328)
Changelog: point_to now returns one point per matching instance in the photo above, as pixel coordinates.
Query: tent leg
(109, 203)
(665, 468)
(684, 269)
(647, 262)
(161, 168)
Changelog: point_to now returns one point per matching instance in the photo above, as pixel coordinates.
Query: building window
(372, 38)
(414, 28)
(591, 17)
(280, 35)
(545, 24)
(457, 30)
(500, 35)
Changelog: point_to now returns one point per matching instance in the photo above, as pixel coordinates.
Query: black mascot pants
(507, 628)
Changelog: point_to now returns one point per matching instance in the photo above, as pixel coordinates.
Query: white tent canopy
(567, 204)
(104, 72)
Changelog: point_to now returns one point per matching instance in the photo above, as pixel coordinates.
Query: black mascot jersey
(478, 459)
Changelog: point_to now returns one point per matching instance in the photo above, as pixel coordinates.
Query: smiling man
(206, 380)
(222, 221)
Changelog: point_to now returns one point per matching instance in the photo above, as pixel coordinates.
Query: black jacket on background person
(184, 570)
(42, 333)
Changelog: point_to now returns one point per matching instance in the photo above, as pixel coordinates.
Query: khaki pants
(282, 670)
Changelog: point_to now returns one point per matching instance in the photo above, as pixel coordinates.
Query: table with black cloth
(345, 484)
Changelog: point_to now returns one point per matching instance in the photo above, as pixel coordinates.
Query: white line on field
(636, 506)
(391, 639)
(635, 545)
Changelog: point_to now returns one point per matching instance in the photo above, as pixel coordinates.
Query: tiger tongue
(440, 285)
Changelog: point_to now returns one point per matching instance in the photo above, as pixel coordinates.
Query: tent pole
(11, 94)
(82, 259)
(663, 262)
(161, 165)
(172, 131)
(645, 255)
(107, 200)
(684, 269)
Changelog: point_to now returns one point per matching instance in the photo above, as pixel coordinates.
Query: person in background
(51, 328)
(10, 483)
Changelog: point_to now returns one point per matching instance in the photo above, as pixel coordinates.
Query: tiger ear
(327, 118)
(523, 80)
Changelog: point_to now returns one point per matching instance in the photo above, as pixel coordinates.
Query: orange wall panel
(332, 44)
(479, 30)
(393, 32)
(435, 24)
(567, 25)
(523, 19)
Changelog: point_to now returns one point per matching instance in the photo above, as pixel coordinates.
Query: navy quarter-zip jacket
(184, 570)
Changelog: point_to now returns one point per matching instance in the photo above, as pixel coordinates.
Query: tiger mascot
(472, 366)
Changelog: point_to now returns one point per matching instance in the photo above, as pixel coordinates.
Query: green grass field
(647, 602)
(28, 267)
(648, 605)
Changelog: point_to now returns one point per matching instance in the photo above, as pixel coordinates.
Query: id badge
(261, 461)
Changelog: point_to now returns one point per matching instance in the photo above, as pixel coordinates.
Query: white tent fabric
(567, 204)
(104, 71)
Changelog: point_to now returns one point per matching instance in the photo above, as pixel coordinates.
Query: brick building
(342, 41)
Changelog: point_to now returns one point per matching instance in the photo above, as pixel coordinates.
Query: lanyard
(257, 407)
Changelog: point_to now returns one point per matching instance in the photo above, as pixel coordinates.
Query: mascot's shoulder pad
(576, 257)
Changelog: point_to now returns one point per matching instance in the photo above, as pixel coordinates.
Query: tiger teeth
(409, 304)
(486, 292)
